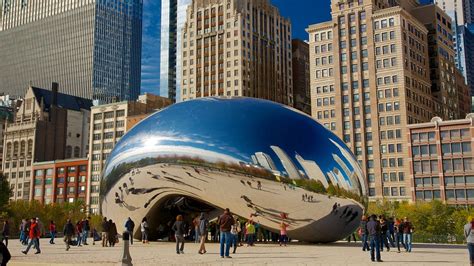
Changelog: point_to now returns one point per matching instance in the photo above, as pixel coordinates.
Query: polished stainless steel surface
(263, 160)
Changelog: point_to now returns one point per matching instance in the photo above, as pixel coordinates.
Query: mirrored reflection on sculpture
(261, 159)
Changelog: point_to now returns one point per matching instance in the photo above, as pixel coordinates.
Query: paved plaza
(262, 254)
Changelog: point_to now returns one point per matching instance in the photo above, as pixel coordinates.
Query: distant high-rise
(287, 163)
(462, 15)
(173, 18)
(236, 48)
(301, 76)
(91, 47)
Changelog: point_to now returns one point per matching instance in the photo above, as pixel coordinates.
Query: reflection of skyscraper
(351, 175)
(312, 170)
(341, 180)
(288, 164)
(265, 161)
(357, 171)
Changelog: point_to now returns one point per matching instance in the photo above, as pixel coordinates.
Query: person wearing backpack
(130, 226)
(5, 255)
(34, 235)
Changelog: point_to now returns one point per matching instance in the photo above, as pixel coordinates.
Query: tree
(5, 191)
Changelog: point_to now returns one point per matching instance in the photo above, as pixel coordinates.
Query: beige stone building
(47, 126)
(370, 78)
(236, 48)
(108, 124)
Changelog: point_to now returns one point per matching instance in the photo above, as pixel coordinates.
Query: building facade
(47, 126)
(441, 160)
(173, 18)
(301, 75)
(370, 78)
(60, 181)
(6, 116)
(462, 16)
(108, 124)
(236, 48)
(91, 47)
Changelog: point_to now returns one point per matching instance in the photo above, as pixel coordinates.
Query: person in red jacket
(52, 231)
(34, 236)
(79, 233)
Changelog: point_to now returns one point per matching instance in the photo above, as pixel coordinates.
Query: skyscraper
(236, 48)
(372, 68)
(287, 163)
(300, 65)
(462, 15)
(91, 47)
(173, 18)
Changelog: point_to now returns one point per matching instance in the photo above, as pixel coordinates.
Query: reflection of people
(469, 235)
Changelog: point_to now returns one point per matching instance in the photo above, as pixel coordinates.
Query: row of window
(20, 175)
(110, 114)
(60, 170)
(392, 177)
(390, 191)
(20, 163)
(60, 180)
(451, 194)
(108, 125)
(108, 135)
(38, 192)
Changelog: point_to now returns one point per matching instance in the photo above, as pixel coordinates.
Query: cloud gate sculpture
(263, 160)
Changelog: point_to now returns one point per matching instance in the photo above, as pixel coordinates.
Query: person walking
(283, 233)
(196, 229)
(469, 235)
(250, 229)
(5, 232)
(130, 226)
(364, 234)
(398, 230)
(179, 230)
(68, 232)
(144, 230)
(112, 233)
(26, 231)
(52, 232)
(235, 230)
(86, 228)
(225, 223)
(34, 235)
(105, 232)
(407, 234)
(391, 231)
(79, 233)
(42, 232)
(203, 230)
(383, 234)
(373, 228)
(5, 255)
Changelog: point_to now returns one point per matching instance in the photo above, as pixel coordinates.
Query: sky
(301, 13)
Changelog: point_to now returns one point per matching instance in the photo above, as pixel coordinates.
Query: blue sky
(301, 12)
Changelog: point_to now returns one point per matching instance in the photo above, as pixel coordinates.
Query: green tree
(5, 192)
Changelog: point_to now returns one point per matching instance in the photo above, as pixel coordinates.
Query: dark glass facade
(173, 17)
(92, 48)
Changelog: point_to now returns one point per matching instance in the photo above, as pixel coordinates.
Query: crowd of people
(379, 232)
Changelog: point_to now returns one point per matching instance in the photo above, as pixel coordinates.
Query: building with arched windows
(47, 126)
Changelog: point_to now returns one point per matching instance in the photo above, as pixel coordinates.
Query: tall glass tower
(173, 18)
(91, 47)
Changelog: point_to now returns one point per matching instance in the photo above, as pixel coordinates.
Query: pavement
(163, 253)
